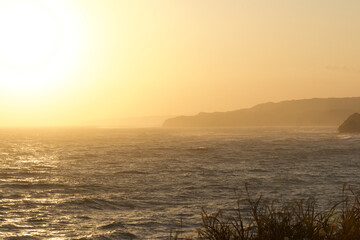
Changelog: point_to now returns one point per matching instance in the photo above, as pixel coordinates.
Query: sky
(90, 62)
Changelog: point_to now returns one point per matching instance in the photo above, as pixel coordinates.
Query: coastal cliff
(305, 112)
(351, 124)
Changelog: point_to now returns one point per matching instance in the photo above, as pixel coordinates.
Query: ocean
(144, 183)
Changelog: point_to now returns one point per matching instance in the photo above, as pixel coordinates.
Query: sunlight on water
(122, 184)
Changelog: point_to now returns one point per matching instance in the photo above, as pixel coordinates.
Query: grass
(295, 220)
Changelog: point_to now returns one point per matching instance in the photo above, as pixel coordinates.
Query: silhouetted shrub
(295, 220)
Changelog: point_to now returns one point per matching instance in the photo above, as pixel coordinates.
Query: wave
(11, 227)
(99, 204)
(199, 149)
(118, 234)
(132, 172)
(27, 185)
(22, 238)
(112, 225)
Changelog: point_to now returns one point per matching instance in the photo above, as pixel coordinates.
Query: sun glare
(29, 35)
(39, 44)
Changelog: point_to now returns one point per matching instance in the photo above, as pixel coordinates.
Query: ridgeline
(305, 112)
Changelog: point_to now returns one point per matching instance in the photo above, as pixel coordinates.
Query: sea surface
(145, 183)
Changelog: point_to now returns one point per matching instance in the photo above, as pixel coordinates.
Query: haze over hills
(132, 122)
(305, 112)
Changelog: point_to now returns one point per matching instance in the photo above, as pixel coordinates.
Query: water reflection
(125, 183)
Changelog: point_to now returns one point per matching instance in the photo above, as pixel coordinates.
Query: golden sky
(66, 62)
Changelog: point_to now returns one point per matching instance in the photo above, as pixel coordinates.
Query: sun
(39, 44)
(29, 34)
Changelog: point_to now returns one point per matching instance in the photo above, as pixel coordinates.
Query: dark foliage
(295, 220)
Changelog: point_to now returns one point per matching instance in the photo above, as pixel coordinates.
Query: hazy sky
(85, 61)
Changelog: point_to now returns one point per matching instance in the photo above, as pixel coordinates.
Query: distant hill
(351, 124)
(305, 112)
